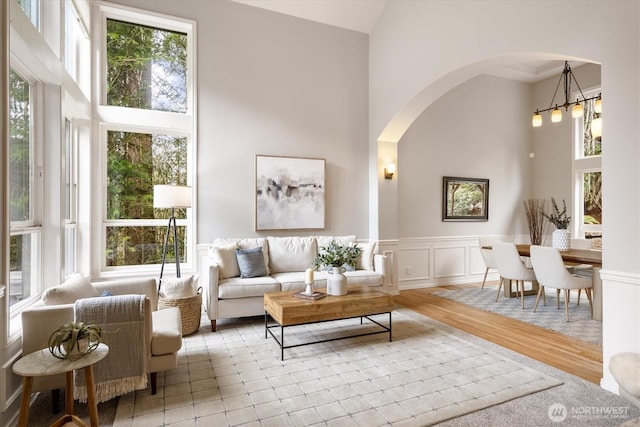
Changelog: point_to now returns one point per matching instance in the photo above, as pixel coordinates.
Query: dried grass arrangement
(536, 219)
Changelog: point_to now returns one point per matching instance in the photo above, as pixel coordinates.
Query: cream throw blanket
(121, 318)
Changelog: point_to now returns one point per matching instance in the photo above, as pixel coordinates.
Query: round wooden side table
(42, 363)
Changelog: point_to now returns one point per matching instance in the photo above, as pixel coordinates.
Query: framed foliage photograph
(289, 193)
(465, 199)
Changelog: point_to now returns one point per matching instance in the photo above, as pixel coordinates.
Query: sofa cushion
(237, 287)
(324, 241)
(295, 281)
(366, 255)
(251, 262)
(291, 253)
(225, 257)
(75, 287)
(247, 243)
(166, 336)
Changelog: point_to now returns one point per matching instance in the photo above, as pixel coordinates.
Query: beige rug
(425, 376)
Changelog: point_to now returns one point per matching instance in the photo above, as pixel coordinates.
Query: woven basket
(190, 310)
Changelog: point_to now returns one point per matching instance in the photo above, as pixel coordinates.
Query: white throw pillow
(366, 255)
(177, 287)
(324, 241)
(75, 287)
(225, 257)
(291, 253)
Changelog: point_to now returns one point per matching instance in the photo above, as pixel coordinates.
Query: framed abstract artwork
(465, 199)
(290, 193)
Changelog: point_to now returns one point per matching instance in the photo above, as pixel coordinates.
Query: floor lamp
(171, 196)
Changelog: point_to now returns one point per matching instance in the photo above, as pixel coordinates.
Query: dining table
(578, 257)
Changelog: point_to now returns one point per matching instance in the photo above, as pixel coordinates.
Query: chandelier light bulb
(597, 106)
(556, 115)
(577, 110)
(536, 121)
(596, 127)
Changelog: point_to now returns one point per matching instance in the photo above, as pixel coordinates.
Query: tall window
(148, 136)
(25, 231)
(588, 176)
(70, 197)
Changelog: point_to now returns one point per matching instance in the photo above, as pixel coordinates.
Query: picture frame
(289, 193)
(465, 199)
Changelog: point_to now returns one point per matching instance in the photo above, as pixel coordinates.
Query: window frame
(580, 166)
(127, 119)
(33, 226)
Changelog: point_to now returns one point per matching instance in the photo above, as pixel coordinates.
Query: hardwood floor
(576, 357)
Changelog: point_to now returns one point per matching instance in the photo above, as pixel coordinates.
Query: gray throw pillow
(251, 262)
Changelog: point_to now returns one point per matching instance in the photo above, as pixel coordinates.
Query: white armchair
(163, 335)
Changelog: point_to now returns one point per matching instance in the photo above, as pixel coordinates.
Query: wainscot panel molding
(10, 384)
(432, 261)
(450, 261)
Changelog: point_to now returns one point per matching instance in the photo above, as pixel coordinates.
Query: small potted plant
(74, 340)
(333, 258)
(337, 255)
(559, 218)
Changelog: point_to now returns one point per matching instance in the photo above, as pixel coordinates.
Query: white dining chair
(585, 270)
(551, 272)
(487, 256)
(511, 267)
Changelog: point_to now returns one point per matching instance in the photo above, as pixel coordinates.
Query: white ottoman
(625, 368)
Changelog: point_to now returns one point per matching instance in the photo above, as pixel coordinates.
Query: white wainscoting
(432, 261)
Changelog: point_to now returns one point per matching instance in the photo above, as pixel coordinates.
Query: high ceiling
(362, 16)
(357, 15)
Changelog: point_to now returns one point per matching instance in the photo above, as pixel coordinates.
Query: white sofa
(162, 335)
(227, 295)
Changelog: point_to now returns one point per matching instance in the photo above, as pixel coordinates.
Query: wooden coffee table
(288, 310)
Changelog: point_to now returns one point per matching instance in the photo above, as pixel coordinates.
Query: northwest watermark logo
(557, 412)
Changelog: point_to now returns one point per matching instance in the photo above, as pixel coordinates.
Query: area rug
(580, 326)
(425, 376)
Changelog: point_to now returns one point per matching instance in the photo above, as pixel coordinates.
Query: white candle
(309, 278)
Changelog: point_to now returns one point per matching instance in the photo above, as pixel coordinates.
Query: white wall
(273, 84)
(480, 129)
(420, 50)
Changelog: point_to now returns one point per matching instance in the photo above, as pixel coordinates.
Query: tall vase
(336, 281)
(561, 240)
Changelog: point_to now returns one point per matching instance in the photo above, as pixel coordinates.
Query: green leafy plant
(337, 255)
(74, 340)
(557, 217)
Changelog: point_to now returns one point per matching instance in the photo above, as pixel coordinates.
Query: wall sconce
(389, 171)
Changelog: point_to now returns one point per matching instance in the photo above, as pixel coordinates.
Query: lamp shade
(577, 111)
(171, 196)
(556, 115)
(596, 127)
(597, 106)
(536, 121)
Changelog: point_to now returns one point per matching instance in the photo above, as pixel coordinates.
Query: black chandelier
(577, 109)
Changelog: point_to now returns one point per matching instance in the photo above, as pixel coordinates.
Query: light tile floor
(235, 377)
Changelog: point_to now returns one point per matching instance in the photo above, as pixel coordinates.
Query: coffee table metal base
(268, 329)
